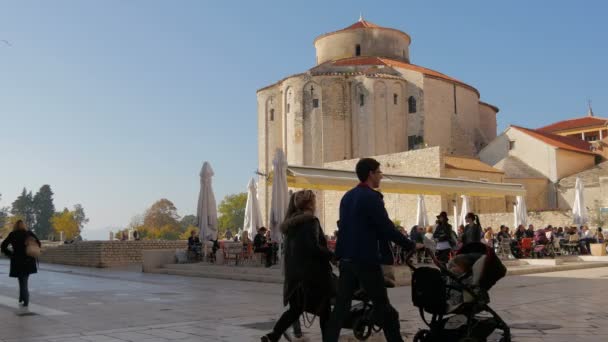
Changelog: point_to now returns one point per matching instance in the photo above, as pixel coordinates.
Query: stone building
(538, 160)
(364, 98)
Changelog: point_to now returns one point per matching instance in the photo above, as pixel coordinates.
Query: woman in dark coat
(308, 275)
(472, 231)
(22, 265)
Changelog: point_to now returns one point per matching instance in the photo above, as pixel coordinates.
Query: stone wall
(104, 253)
(426, 162)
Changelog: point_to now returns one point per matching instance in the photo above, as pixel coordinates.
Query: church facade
(365, 98)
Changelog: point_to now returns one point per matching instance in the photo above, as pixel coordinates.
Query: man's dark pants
(371, 279)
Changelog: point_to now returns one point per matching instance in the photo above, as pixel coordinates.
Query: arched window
(272, 115)
(361, 100)
(411, 103)
(358, 50)
(395, 99)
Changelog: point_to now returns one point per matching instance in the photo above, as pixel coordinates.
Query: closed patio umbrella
(520, 212)
(421, 216)
(253, 215)
(579, 211)
(464, 209)
(280, 195)
(206, 210)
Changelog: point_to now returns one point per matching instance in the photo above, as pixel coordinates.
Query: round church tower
(363, 39)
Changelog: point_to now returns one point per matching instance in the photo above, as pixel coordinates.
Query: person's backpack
(32, 249)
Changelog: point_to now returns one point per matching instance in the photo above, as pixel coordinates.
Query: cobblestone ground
(78, 304)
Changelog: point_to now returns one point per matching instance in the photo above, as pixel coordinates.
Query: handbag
(32, 249)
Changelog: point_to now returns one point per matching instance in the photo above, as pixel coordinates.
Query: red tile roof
(364, 24)
(584, 122)
(565, 143)
(398, 64)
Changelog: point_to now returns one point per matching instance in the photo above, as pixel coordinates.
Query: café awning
(339, 180)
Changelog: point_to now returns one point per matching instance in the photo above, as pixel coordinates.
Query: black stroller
(470, 320)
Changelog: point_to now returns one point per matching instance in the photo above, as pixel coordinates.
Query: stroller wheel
(422, 336)
(362, 329)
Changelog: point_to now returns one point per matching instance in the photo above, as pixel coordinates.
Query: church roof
(364, 24)
(354, 61)
(590, 177)
(514, 167)
(565, 143)
(576, 123)
(468, 163)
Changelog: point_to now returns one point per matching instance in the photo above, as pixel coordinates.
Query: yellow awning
(304, 177)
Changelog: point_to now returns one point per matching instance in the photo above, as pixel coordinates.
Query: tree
(232, 212)
(188, 221)
(9, 224)
(3, 214)
(161, 213)
(66, 222)
(44, 210)
(23, 207)
(80, 216)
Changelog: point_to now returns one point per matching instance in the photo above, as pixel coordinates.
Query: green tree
(65, 222)
(187, 221)
(44, 210)
(232, 212)
(80, 217)
(23, 207)
(3, 214)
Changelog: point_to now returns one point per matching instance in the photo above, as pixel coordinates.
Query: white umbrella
(464, 209)
(579, 211)
(253, 215)
(280, 195)
(206, 211)
(520, 212)
(421, 216)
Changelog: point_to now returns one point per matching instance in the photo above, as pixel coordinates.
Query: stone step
(205, 267)
(203, 273)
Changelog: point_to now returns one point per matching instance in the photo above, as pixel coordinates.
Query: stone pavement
(81, 304)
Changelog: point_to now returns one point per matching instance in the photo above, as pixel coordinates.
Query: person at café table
(260, 245)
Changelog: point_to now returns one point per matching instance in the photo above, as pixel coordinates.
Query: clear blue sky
(117, 103)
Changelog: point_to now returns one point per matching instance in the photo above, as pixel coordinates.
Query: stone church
(364, 98)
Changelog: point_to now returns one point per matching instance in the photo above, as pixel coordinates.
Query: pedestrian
(472, 231)
(365, 228)
(228, 234)
(443, 235)
(23, 257)
(308, 276)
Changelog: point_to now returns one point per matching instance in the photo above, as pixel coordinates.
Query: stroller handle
(427, 251)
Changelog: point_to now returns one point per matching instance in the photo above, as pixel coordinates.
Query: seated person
(261, 245)
(194, 243)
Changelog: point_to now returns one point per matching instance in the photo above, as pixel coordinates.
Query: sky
(118, 103)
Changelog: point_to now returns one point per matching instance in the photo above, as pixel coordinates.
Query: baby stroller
(471, 320)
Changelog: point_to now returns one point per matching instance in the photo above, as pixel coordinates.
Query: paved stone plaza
(82, 304)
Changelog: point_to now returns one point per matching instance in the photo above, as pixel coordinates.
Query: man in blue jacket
(364, 229)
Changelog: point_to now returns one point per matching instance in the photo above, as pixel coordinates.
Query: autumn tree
(66, 222)
(232, 213)
(161, 213)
